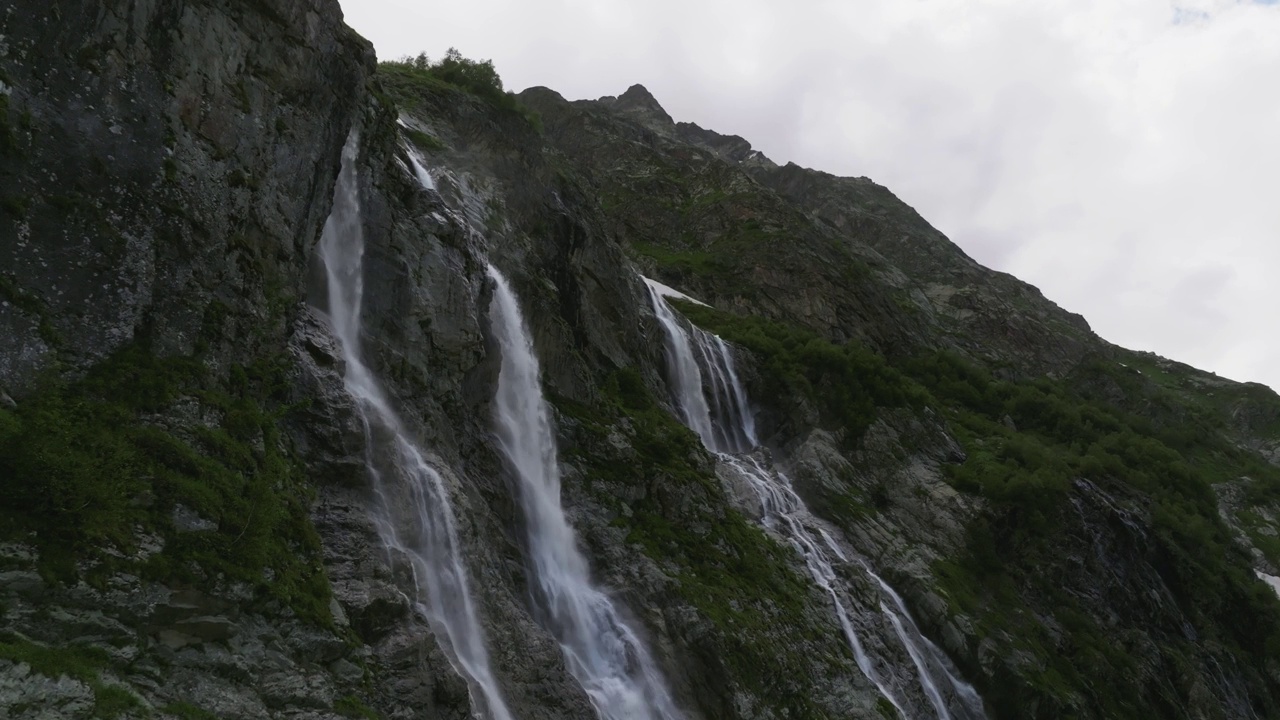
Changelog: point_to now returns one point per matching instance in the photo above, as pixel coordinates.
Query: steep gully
(714, 404)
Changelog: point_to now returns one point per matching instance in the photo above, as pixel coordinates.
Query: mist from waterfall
(413, 512)
(714, 404)
(602, 651)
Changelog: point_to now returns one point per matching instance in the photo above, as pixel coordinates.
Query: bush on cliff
(478, 78)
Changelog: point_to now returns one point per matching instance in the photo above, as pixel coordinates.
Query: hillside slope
(212, 461)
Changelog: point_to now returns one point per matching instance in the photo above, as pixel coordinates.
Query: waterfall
(714, 404)
(412, 512)
(717, 413)
(783, 512)
(419, 172)
(606, 657)
(929, 659)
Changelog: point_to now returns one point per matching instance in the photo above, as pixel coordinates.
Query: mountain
(337, 389)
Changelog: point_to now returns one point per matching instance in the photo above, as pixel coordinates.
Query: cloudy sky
(1121, 155)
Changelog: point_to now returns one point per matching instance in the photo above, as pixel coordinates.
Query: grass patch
(352, 707)
(8, 140)
(422, 140)
(84, 664)
(187, 711)
(886, 709)
(846, 383)
(688, 260)
(89, 469)
(15, 206)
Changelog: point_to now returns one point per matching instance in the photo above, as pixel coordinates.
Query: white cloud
(1122, 155)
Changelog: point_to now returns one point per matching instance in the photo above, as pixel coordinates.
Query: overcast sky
(1121, 155)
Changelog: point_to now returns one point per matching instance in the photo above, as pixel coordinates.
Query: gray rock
(186, 520)
(26, 695)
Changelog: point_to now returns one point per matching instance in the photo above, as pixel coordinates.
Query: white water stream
(603, 653)
(413, 512)
(714, 404)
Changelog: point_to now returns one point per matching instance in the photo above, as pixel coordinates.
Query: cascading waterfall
(714, 404)
(420, 173)
(602, 652)
(725, 423)
(413, 512)
(929, 659)
(783, 512)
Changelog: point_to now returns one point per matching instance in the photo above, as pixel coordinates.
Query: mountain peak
(641, 105)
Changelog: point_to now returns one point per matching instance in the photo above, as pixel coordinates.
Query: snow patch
(667, 291)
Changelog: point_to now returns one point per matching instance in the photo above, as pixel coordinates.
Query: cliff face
(166, 168)
(160, 158)
(189, 517)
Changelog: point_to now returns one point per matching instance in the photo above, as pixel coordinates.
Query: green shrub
(352, 707)
(847, 383)
(407, 78)
(1026, 468)
(84, 468)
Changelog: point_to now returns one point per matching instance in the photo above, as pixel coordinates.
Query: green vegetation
(408, 79)
(1213, 398)
(725, 259)
(79, 663)
(1035, 450)
(351, 706)
(734, 574)
(886, 709)
(8, 141)
(15, 206)
(237, 178)
(187, 711)
(423, 140)
(88, 469)
(692, 261)
(847, 383)
(1015, 566)
(25, 301)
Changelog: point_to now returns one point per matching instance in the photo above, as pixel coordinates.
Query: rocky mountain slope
(193, 513)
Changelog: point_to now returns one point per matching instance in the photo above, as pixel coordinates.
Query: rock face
(166, 167)
(186, 526)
